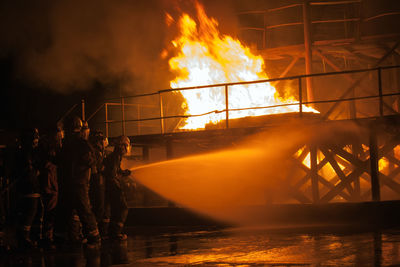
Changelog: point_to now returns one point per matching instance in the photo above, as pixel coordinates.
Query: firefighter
(27, 172)
(48, 178)
(115, 182)
(78, 160)
(97, 187)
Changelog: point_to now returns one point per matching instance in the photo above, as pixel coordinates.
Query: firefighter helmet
(76, 124)
(30, 137)
(124, 140)
(85, 125)
(97, 138)
(124, 144)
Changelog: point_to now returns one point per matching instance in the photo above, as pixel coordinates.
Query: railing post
(106, 111)
(83, 108)
(380, 92)
(161, 113)
(308, 49)
(265, 30)
(138, 117)
(123, 114)
(226, 107)
(300, 98)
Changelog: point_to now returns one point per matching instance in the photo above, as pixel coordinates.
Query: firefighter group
(72, 185)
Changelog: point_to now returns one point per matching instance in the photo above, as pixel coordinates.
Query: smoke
(227, 183)
(70, 45)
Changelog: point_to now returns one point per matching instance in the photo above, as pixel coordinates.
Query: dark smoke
(70, 45)
(67, 45)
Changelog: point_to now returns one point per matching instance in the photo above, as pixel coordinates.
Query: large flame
(205, 58)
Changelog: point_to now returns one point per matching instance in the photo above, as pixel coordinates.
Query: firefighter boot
(48, 241)
(25, 241)
(116, 232)
(93, 240)
(103, 229)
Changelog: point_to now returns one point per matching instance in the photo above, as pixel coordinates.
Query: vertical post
(373, 157)
(123, 114)
(300, 98)
(83, 108)
(7, 193)
(145, 153)
(226, 107)
(380, 92)
(169, 150)
(377, 248)
(138, 117)
(314, 173)
(356, 148)
(106, 111)
(396, 83)
(265, 31)
(161, 113)
(308, 50)
(358, 23)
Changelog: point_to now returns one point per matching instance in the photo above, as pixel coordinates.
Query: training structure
(342, 58)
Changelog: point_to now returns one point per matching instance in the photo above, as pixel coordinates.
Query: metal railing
(355, 22)
(380, 95)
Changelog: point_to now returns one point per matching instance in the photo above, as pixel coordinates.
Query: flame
(205, 58)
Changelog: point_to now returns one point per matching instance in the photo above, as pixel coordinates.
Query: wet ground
(229, 247)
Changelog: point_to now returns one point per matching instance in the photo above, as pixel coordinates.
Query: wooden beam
(308, 49)
(336, 168)
(390, 183)
(331, 186)
(357, 150)
(299, 196)
(288, 68)
(348, 156)
(314, 173)
(352, 104)
(374, 169)
(341, 185)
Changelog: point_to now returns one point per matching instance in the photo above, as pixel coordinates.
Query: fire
(207, 57)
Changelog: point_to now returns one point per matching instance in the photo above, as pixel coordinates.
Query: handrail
(259, 81)
(251, 108)
(358, 20)
(300, 102)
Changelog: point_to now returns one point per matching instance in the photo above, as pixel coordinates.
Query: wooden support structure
(373, 152)
(288, 68)
(358, 81)
(352, 106)
(354, 165)
(314, 174)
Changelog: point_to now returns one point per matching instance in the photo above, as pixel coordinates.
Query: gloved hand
(126, 172)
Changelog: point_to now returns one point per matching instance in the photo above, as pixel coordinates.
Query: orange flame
(205, 58)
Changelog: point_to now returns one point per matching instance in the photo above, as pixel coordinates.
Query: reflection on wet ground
(229, 247)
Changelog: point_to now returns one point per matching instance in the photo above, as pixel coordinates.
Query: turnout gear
(97, 183)
(27, 173)
(115, 183)
(79, 159)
